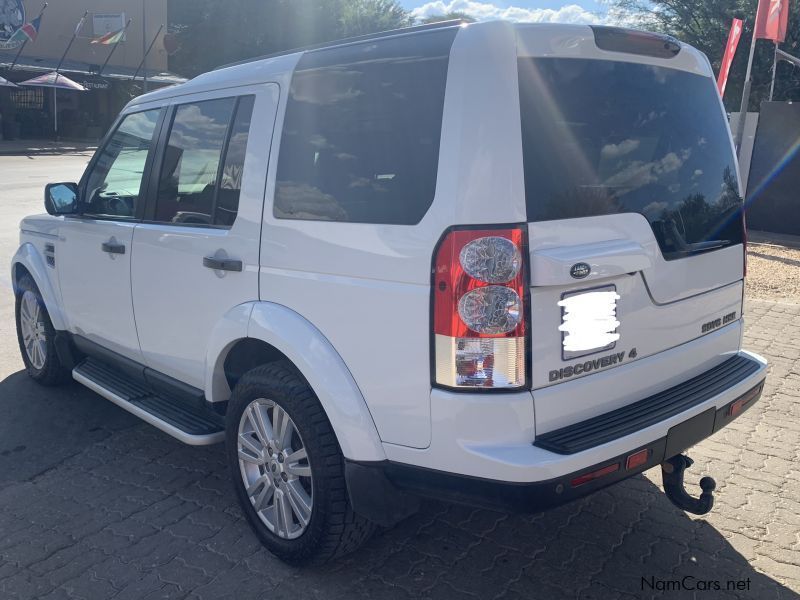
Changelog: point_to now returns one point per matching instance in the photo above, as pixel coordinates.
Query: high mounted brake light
(631, 41)
(480, 309)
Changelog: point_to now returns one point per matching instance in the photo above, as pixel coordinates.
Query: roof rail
(353, 40)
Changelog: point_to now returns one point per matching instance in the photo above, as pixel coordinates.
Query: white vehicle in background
(498, 264)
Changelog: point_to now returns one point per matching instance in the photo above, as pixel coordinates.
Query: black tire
(334, 529)
(52, 372)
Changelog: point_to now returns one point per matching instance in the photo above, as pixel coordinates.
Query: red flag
(772, 20)
(730, 51)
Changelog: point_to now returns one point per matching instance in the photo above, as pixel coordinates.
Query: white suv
(499, 264)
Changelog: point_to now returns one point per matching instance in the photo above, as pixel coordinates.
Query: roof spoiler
(631, 41)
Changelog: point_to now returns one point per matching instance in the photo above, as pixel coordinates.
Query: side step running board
(190, 425)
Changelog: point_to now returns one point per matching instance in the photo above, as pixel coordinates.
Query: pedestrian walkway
(23, 147)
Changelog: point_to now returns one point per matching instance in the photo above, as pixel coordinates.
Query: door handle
(113, 247)
(222, 264)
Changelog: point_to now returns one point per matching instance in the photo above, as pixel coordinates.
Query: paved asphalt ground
(95, 505)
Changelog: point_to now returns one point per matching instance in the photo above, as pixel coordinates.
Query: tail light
(480, 309)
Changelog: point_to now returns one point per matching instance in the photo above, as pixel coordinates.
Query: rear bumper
(377, 489)
(495, 437)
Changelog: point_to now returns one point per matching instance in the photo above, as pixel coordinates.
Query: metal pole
(110, 54)
(55, 112)
(74, 35)
(144, 45)
(774, 72)
(788, 58)
(150, 47)
(61, 62)
(745, 94)
(16, 58)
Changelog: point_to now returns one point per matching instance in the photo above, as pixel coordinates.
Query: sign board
(103, 23)
(95, 83)
(12, 17)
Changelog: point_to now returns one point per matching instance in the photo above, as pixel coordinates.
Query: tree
(212, 33)
(705, 24)
(360, 17)
(450, 16)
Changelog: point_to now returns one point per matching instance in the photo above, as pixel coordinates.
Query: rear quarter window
(360, 139)
(604, 137)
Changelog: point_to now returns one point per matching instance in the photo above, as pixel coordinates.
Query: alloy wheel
(34, 334)
(275, 470)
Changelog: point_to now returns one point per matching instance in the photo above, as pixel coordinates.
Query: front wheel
(288, 469)
(36, 336)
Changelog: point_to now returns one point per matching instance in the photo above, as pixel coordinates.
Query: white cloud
(612, 151)
(486, 11)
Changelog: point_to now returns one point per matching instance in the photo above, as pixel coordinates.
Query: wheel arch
(28, 261)
(259, 332)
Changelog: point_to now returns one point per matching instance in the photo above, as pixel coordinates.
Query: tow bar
(672, 476)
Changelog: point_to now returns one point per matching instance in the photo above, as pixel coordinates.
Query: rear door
(195, 256)
(636, 234)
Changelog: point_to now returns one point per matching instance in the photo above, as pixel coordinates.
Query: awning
(81, 70)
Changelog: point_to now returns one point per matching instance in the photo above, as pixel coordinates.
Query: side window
(188, 179)
(230, 185)
(201, 172)
(114, 184)
(360, 138)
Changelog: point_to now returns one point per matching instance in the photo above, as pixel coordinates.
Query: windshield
(603, 137)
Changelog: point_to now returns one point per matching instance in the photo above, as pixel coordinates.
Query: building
(27, 112)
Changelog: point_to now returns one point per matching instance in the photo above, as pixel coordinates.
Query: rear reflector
(587, 477)
(637, 459)
(740, 404)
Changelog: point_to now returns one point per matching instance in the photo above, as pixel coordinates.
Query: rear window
(360, 138)
(605, 137)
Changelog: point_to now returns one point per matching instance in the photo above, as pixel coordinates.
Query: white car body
(350, 303)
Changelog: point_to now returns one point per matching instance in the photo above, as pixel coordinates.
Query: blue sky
(556, 11)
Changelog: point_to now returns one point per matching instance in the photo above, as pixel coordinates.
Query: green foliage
(451, 16)
(213, 33)
(705, 24)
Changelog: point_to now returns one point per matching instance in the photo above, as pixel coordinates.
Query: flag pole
(25, 43)
(737, 140)
(61, 62)
(110, 54)
(150, 47)
(774, 72)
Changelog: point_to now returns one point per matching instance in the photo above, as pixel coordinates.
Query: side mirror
(61, 198)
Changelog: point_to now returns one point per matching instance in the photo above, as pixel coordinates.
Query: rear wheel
(36, 336)
(287, 468)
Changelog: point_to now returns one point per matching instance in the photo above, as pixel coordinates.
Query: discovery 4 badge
(590, 365)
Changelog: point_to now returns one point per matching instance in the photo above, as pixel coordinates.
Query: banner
(730, 51)
(772, 20)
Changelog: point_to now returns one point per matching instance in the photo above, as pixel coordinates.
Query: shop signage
(95, 83)
(103, 23)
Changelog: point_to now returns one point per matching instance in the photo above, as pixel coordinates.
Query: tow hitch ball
(672, 476)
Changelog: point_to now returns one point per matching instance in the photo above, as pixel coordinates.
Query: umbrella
(6, 83)
(57, 81)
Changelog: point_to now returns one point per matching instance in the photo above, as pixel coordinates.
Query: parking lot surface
(95, 504)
